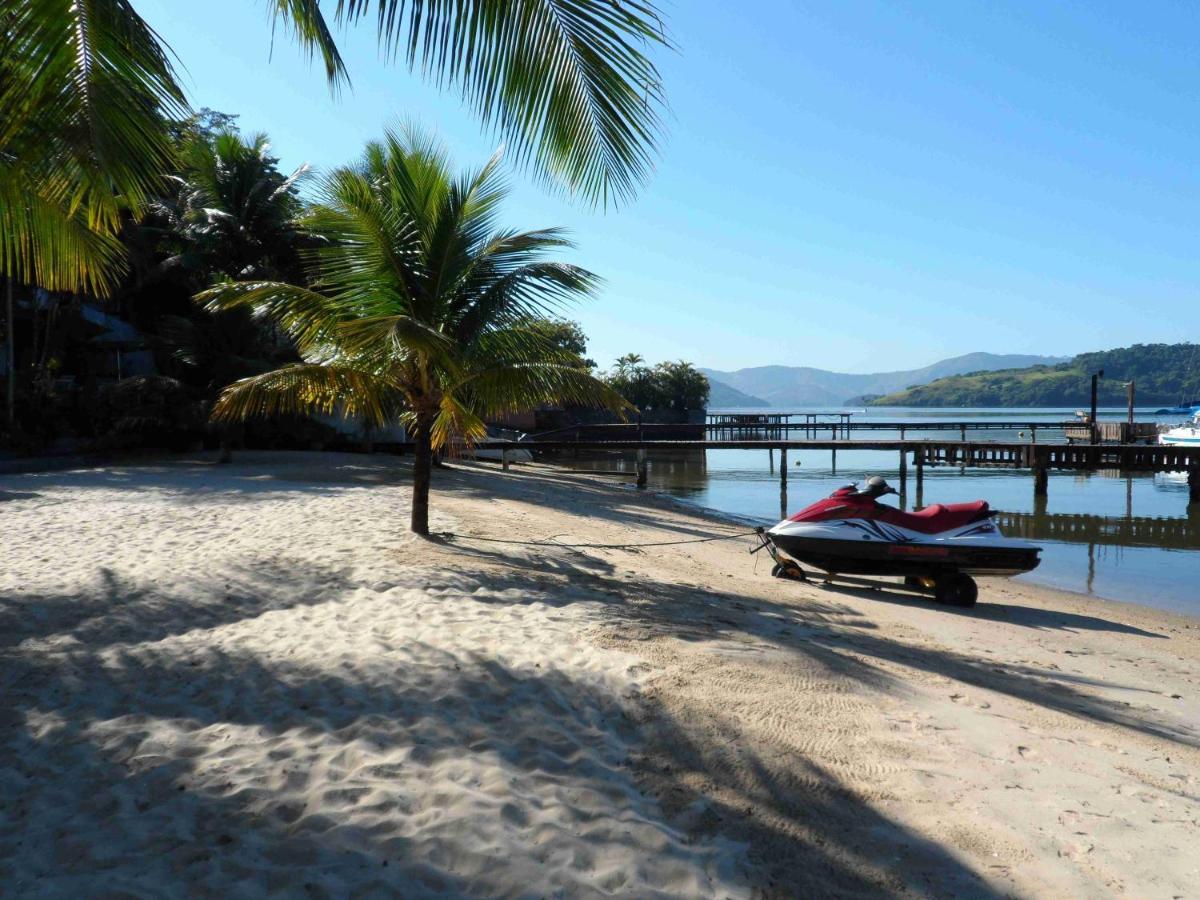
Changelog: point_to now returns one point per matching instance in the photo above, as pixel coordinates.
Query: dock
(1038, 458)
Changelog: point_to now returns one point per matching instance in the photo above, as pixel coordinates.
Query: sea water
(1128, 537)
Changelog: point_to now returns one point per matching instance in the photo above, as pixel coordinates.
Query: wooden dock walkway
(1040, 459)
(776, 426)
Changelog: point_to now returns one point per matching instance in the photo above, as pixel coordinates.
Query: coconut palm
(418, 308)
(87, 90)
(87, 87)
(232, 211)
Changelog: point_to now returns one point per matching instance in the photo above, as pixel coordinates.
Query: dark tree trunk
(422, 466)
(11, 379)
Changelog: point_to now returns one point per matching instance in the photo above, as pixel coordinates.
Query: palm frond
(43, 243)
(393, 337)
(310, 318)
(307, 389)
(532, 289)
(455, 424)
(502, 390)
(567, 82)
(87, 89)
(308, 27)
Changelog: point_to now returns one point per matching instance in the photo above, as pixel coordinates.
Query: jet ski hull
(864, 547)
(859, 558)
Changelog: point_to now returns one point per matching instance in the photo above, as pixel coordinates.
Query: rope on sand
(552, 542)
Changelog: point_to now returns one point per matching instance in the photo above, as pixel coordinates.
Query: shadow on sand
(59, 706)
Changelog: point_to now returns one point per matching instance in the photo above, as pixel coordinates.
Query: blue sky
(857, 186)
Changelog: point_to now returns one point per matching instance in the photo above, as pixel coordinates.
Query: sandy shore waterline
(248, 679)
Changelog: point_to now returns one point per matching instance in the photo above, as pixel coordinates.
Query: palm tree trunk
(422, 469)
(10, 357)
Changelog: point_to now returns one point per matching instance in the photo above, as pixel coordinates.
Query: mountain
(722, 396)
(1165, 374)
(792, 386)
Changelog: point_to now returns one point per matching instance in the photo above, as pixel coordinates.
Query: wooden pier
(838, 426)
(1039, 459)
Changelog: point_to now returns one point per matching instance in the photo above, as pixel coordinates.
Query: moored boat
(1186, 435)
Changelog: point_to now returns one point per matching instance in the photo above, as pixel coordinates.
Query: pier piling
(1194, 484)
(641, 468)
(903, 473)
(783, 503)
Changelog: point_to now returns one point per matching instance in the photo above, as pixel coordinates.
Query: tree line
(1164, 375)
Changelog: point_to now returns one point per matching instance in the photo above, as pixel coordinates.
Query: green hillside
(1166, 374)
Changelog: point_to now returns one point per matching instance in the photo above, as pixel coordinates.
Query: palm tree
(233, 212)
(418, 308)
(87, 89)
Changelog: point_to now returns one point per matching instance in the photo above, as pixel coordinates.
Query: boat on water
(1185, 435)
(1185, 409)
(936, 550)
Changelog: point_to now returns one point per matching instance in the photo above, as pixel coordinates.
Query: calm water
(1122, 537)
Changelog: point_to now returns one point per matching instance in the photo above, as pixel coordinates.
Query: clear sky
(859, 186)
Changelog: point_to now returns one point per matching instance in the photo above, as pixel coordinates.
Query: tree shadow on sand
(356, 767)
(989, 610)
(122, 609)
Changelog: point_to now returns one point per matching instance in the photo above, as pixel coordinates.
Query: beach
(250, 679)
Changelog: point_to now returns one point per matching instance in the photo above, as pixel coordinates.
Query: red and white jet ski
(936, 550)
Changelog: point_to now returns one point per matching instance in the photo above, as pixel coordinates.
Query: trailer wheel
(788, 570)
(956, 590)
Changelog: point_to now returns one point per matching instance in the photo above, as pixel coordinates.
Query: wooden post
(920, 461)
(771, 458)
(783, 504)
(641, 468)
(1129, 388)
(1033, 431)
(1041, 473)
(833, 460)
(504, 460)
(1194, 484)
(962, 432)
(903, 472)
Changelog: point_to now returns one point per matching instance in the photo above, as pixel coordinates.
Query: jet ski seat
(939, 517)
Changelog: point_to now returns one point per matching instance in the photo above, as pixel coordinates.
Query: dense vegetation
(396, 294)
(676, 386)
(1165, 374)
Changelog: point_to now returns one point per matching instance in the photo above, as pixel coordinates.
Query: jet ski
(936, 550)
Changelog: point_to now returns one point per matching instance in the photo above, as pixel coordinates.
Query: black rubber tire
(956, 590)
(788, 570)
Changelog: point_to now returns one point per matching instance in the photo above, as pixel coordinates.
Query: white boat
(1187, 435)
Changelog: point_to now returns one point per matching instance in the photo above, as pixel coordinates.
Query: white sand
(248, 679)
